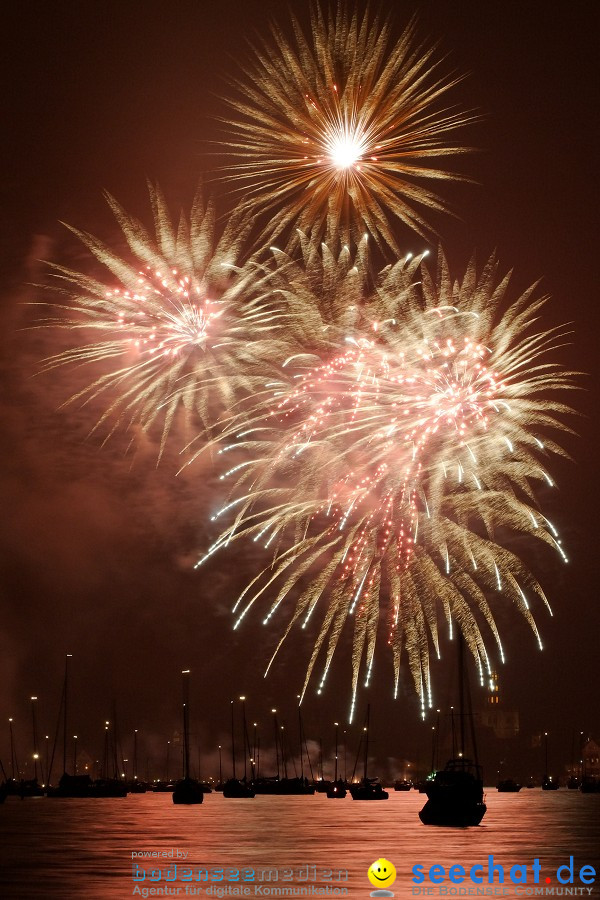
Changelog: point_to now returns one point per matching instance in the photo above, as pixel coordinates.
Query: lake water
(75, 849)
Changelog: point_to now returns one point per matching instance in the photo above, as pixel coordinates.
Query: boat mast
(301, 752)
(68, 656)
(232, 742)
(335, 777)
(461, 691)
(186, 724)
(310, 768)
(367, 740)
(471, 719)
(283, 756)
(276, 729)
(35, 751)
(245, 736)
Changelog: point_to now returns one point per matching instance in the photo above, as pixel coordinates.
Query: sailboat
(337, 790)
(548, 783)
(135, 785)
(235, 788)
(300, 785)
(455, 794)
(77, 786)
(188, 790)
(367, 788)
(573, 781)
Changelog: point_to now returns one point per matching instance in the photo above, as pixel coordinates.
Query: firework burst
(343, 130)
(390, 475)
(183, 320)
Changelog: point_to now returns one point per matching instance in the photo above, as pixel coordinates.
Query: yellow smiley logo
(382, 873)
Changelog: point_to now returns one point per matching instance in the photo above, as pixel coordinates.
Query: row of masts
(113, 763)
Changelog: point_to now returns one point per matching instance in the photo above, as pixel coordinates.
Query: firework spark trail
(339, 132)
(185, 319)
(408, 449)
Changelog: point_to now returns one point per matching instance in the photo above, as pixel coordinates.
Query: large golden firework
(391, 474)
(343, 131)
(184, 319)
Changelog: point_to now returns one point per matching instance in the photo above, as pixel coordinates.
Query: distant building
(591, 759)
(494, 714)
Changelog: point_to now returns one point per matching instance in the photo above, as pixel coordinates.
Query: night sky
(98, 544)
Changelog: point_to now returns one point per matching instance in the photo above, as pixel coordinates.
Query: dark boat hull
(284, 786)
(508, 786)
(403, 786)
(548, 785)
(452, 816)
(337, 791)
(368, 791)
(78, 787)
(188, 792)
(238, 790)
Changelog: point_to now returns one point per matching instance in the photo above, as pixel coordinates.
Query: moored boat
(455, 796)
(550, 784)
(187, 791)
(238, 788)
(337, 789)
(403, 785)
(508, 786)
(367, 788)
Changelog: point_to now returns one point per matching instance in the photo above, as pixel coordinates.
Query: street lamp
(13, 760)
(35, 749)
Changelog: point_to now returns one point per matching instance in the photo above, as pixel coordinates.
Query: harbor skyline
(99, 544)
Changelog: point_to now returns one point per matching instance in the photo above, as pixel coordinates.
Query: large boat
(367, 788)
(82, 786)
(455, 794)
(25, 787)
(187, 791)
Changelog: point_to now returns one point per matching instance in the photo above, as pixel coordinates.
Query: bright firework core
(345, 148)
(161, 316)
